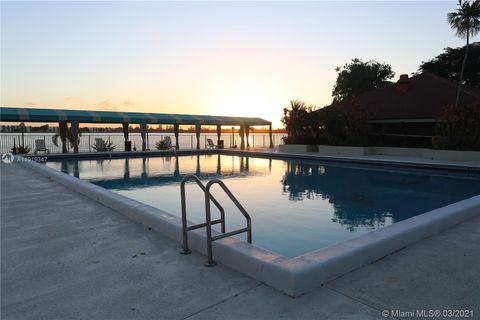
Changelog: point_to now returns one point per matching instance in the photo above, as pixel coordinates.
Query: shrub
(458, 128)
(161, 145)
(343, 127)
(104, 147)
(20, 150)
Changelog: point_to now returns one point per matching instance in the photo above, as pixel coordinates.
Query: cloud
(72, 101)
(33, 104)
(105, 105)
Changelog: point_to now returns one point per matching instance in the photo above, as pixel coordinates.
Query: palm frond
(466, 19)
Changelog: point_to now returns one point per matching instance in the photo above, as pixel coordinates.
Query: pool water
(296, 206)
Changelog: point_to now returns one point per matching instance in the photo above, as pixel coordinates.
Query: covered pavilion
(75, 117)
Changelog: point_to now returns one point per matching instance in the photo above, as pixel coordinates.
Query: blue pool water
(296, 205)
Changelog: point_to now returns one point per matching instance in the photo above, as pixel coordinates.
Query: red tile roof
(423, 96)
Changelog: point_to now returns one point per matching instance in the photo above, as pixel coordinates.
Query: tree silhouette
(466, 22)
(298, 122)
(358, 76)
(448, 64)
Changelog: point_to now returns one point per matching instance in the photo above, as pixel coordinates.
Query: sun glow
(249, 99)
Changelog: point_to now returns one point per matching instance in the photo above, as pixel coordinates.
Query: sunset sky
(221, 58)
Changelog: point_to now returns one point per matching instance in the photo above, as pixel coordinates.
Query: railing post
(210, 262)
(186, 250)
(208, 224)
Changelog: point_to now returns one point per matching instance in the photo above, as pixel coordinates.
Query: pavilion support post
(220, 145)
(22, 128)
(176, 130)
(148, 140)
(75, 139)
(143, 133)
(271, 135)
(242, 137)
(219, 132)
(62, 126)
(128, 144)
(247, 133)
(198, 129)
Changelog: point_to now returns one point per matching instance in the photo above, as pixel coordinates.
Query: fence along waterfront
(187, 141)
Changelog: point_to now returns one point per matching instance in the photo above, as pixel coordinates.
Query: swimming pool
(296, 206)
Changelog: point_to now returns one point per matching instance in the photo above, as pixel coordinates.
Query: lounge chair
(40, 146)
(210, 144)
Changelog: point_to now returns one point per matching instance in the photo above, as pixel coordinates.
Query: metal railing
(210, 239)
(186, 141)
(208, 223)
(186, 228)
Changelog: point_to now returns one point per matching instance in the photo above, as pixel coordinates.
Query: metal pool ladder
(208, 223)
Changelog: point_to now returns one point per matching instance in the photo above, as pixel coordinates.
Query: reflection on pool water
(296, 205)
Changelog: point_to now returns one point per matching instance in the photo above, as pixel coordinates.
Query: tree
(448, 64)
(466, 22)
(329, 125)
(298, 123)
(70, 139)
(358, 76)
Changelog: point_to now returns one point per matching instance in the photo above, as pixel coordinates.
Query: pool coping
(293, 276)
(398, 162)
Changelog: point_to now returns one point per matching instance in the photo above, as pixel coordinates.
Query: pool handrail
(186, 228)
(209, 221)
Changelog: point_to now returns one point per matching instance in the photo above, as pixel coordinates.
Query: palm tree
(466, 22)
(70, 139)
(295, 119)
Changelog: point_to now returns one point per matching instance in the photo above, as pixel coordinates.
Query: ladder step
(231, 233)
(201, 225)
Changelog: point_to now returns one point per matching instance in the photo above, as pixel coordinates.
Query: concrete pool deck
(65, 256)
